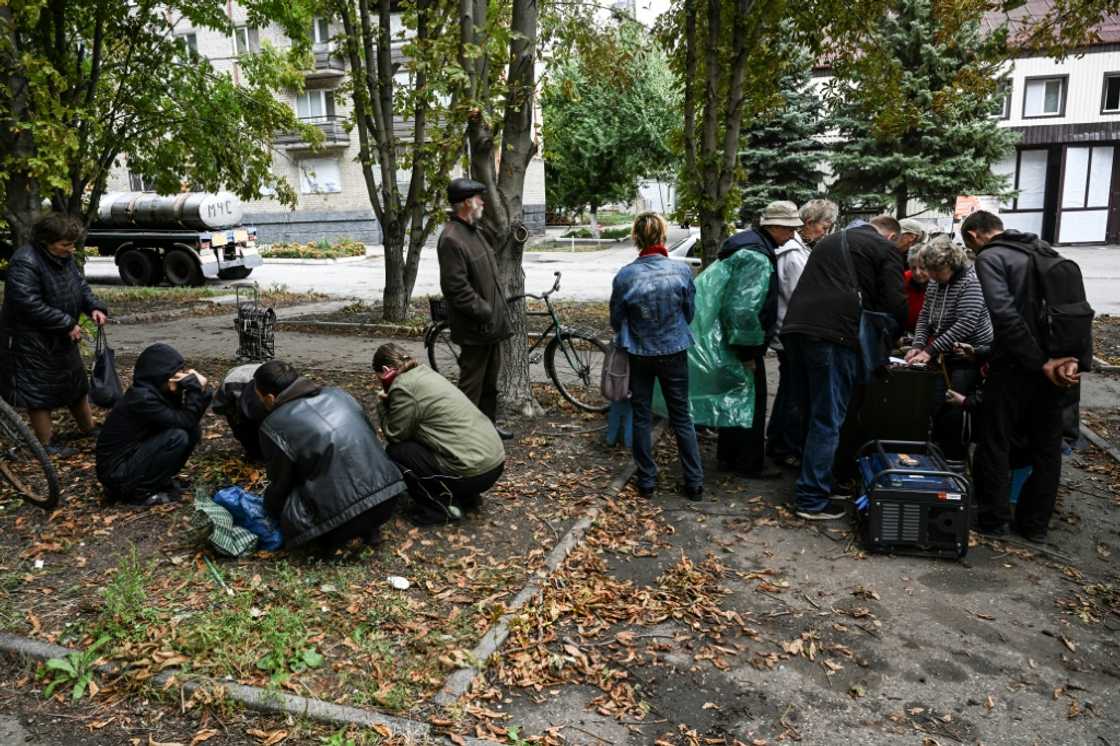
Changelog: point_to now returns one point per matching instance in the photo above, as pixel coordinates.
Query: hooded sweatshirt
(147, 409)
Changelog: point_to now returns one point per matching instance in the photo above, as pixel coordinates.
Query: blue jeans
(783, 435)
(823, 376)
(672, 372)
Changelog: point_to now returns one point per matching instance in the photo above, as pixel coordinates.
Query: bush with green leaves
(321, 249)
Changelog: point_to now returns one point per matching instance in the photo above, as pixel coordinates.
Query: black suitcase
(910, 501)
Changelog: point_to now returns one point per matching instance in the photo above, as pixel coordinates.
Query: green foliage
(127, 611)
(913, 110)
(85, 82)
(608, 111)
(781, 153)
(321, 249)
(73, 669)
(284, 637)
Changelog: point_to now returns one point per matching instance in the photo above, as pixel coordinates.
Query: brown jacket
(468, 276)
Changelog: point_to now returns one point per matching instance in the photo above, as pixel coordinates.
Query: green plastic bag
(729, 297)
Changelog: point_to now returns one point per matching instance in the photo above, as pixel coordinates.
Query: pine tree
(781, 151)
(914, 113)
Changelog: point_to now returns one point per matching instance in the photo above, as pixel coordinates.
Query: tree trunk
(712, 233)
(901, 202)
(595, 222)
(394, 299)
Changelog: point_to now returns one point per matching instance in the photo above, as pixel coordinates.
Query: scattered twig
(587, 733)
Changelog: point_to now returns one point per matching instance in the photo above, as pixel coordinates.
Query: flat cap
(461, 189)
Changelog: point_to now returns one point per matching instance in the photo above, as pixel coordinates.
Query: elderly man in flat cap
(476, 304)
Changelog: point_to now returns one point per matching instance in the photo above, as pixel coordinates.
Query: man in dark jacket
(821, 336)
(1026, 385)
(742, 450)
(237, 401)
(152, 431)
(476, 303)
(329, 477)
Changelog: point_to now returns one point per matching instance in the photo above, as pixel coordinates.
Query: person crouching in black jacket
(329, 477)
(152, 430)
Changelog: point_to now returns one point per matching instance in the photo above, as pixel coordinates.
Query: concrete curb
(1092, 436)
(254, 698)
(460, 681)
(1104, 367)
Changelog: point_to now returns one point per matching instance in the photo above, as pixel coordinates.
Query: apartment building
(1066, 167)
(332, 198)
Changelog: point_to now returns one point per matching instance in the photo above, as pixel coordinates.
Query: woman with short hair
(41, 366)
(652, 303)
(953, 314)
(446, 448)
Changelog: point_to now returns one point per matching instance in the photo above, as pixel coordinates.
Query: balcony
(334, 134)
(329, 64)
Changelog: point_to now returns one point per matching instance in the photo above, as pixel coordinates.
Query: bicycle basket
(256, 326)
(437, 307)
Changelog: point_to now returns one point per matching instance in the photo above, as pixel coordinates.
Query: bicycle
(24, 463)
(573, 358)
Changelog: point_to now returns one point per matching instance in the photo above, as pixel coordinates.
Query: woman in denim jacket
(652, 303)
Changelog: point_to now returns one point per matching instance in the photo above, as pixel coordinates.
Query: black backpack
(1065, 318)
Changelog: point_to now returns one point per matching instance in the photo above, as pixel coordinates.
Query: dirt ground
(1106, 338)
(147, 581)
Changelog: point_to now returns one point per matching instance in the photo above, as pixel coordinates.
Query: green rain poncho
(729, 296)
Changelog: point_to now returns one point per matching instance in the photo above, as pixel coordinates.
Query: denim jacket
(652, 302)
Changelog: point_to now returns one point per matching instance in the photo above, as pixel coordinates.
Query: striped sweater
(954, 312)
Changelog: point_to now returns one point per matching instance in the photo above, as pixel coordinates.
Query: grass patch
(130, 294)
(126, 613)
(616, 234)
(322, 249)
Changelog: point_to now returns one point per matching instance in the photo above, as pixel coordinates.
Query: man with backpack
(1043, 338)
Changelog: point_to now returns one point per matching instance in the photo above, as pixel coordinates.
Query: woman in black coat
(41, 367)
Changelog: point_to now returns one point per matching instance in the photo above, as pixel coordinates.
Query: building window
(246, 40)
(189, 44)
(1044, 97)
(1110, 99)
(1001, 102)
(320, 176)
(316, 106)
(139, 183)
(320, 31)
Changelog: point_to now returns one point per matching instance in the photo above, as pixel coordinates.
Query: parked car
(688, 250)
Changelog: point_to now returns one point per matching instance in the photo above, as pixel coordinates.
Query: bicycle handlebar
(542, 296)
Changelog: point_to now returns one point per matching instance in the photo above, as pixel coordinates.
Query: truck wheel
(235, 273)
(181, 269)
(136, 268)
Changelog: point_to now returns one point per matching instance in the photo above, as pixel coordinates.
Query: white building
(332, 197)
(1066, 167)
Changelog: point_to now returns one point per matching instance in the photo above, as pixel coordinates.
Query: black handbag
(876, 329)
(104, 383)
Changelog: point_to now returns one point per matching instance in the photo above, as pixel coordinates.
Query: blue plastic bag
(248, 512)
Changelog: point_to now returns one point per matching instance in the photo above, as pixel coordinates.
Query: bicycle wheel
(574, 361)
(24, 463)
(443, 354)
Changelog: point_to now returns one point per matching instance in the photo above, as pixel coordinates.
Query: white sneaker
(832, 512)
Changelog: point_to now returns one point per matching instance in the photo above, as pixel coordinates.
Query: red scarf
(655, 249)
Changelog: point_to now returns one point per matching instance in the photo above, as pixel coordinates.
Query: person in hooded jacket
(152, 430)
(330, 481)
(41, 367)
(237, 401)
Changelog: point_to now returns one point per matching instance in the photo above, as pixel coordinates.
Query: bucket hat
(782, 214)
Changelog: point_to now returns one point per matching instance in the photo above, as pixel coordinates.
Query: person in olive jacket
(329, 478)
(41, 366)
(445, 447)
(476, 304)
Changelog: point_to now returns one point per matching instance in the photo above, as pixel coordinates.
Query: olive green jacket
(425, 407)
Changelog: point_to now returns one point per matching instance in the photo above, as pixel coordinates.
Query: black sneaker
(59, 451)
(695, 494)
(154, 500)
(1034, 537)
(831, 512)
(646, 492)
(998, 531)
(503, 433)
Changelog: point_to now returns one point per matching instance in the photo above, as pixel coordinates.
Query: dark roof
(1107, 31)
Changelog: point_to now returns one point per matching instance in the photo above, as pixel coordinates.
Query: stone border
(460, 681)
(456, 684)
(1100, 365)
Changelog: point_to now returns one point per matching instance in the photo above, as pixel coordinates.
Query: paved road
(586, 275)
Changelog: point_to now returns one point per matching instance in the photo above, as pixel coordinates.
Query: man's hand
(201, 378)
(99, 317)
(954, 398)
(1061, 371)
(75, 334)
(917, 357)
(965, 350)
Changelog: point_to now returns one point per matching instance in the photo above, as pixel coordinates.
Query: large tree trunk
(901, 202)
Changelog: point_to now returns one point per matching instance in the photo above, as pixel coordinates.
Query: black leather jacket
(1010, 294)
(325, 464)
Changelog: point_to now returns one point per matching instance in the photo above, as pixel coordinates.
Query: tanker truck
(184, 238)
